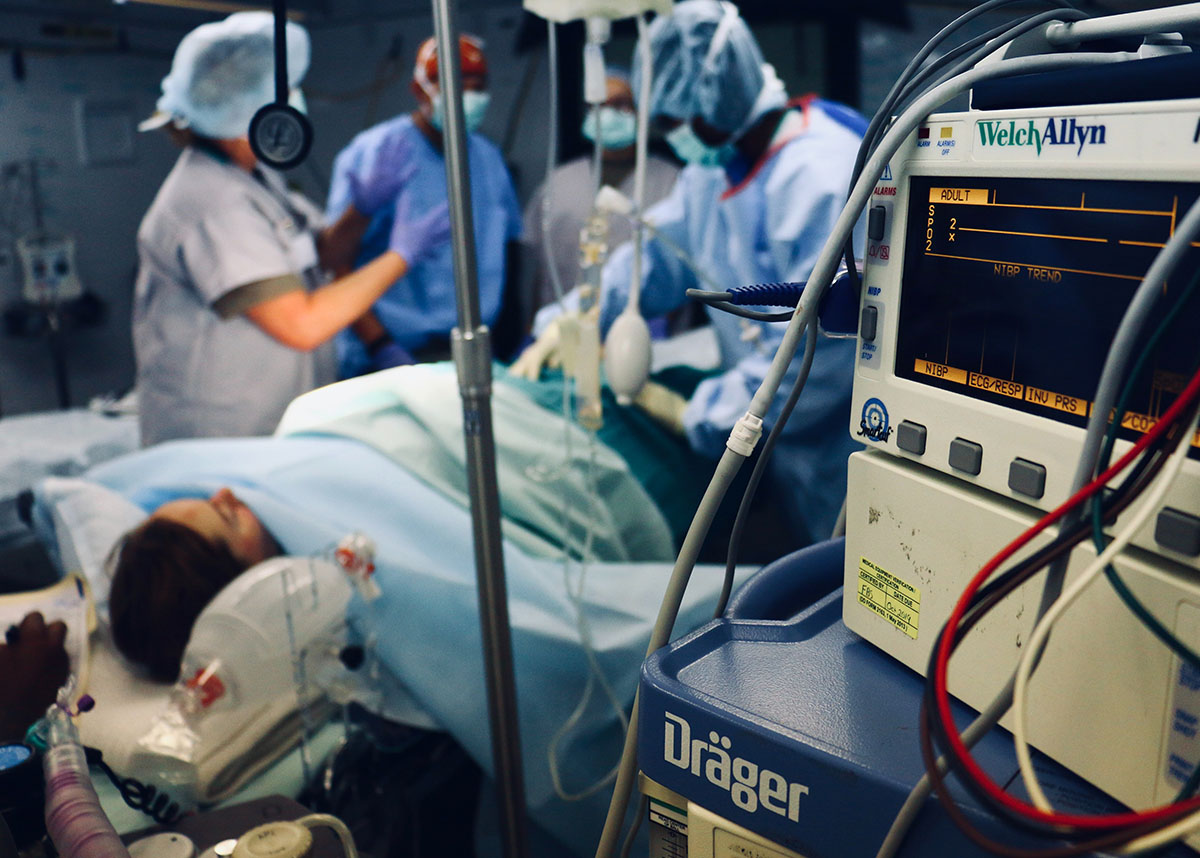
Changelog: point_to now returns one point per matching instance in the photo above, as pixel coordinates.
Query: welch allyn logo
(1060, 131)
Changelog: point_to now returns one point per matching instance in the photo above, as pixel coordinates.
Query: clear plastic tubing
(75, 821)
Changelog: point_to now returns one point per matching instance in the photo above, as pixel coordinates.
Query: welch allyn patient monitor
(1004, 247)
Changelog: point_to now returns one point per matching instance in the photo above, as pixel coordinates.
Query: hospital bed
(313, 487)
(55, 443)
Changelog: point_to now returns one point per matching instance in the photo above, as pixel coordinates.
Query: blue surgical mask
(618, 128)
(692, 150)
(475, 105)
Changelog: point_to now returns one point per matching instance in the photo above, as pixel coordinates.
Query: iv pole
(471, 346)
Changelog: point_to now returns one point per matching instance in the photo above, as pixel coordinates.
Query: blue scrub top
(769, 227)
(420, 307)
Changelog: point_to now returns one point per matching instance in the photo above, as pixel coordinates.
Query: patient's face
(223, 519)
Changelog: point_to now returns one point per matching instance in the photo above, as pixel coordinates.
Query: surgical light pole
(473, 359)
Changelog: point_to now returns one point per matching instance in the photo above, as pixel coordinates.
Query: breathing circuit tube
(75, 821)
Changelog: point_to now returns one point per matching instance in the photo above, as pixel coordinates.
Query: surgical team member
(572, 191)
(765, 182)
(231, 320)
(414, 319)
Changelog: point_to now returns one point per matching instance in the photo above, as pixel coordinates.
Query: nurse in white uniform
(232, 318)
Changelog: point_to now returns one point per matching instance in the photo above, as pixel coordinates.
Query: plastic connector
(611, 201)
(767, 294)
(838, 313)
(745, 435)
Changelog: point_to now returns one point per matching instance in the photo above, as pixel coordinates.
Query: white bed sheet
(56, 443)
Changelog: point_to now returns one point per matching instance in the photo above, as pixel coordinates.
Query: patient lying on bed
(383, 455)
(167, 569)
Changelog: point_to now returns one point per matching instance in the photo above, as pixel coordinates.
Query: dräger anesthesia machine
(1031, 271)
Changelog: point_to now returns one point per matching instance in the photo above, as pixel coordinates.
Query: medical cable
(640, 156)
(1131, 601)
(638, 816)
(991, 716)
(1118, 359)
(140, 796)
(819, 279)
(1070, 595)
(941, 654)
(613, 201)
(1015, 577)
(990, 595)
(299, 675)
(998, 590)
(995, 591)
(760, 467)
(883, 115)
(912, 76)
(595, 672)
(551, 160)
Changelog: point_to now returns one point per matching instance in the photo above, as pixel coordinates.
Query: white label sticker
(1183, 718)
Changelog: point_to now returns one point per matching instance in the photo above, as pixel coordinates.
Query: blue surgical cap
(707, 64)
(224, 72)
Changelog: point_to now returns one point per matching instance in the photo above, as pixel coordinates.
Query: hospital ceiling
(100, 24)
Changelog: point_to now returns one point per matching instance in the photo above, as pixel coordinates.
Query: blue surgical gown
(769, 227)
(420, 307)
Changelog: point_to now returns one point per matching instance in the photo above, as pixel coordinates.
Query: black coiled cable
(145, 798)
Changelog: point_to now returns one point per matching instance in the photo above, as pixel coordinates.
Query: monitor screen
(1014, 288)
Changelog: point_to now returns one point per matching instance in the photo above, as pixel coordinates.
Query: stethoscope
(280, 135)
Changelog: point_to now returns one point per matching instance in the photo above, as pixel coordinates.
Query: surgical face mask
(692, 150)
(618, 128)
(475, 105)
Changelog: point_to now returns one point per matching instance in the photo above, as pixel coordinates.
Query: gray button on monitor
(1178, 531)
(868, 324)
(966, 456)
(876, 222)
(910, 437)
(1027, 478)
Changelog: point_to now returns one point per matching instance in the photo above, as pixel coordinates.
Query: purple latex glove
(417, 237)
(390, 354)
(377, 183)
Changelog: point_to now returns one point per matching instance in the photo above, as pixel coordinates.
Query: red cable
(941, 669)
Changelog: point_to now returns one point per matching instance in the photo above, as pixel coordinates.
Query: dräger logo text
(1061, 131)
(750, 786)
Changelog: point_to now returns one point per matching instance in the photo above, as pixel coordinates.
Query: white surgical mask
(692, 150)
(475, 105)
(618, 128)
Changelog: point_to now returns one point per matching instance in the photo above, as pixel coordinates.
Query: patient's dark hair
(164, 573)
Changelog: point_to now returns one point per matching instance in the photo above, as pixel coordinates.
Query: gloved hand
(556, 346)
(663, 404)
(389, 354)
(381, 180)
(544, 352)
(416, 238)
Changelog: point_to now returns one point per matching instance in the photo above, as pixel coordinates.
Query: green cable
(1118, 584)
